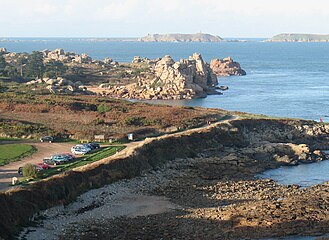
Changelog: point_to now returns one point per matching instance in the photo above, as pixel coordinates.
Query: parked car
(69, 155)
(44, 166)
(47, 139)
(80, 149)
(48, 161)
(37, 168)
(94, 145)
(60, 158)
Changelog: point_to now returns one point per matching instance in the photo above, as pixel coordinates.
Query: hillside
(291, 37)
(178, 37)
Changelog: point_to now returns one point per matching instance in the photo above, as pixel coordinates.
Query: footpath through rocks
(213, 195)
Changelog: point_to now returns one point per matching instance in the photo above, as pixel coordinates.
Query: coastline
(213, 163)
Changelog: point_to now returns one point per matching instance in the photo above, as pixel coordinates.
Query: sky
(136, 18)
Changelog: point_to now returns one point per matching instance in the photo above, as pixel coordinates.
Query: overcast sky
(135, 18)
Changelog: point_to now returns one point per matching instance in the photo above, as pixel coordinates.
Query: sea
(283, 79)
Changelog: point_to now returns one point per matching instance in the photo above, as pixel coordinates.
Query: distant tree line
(31, 66)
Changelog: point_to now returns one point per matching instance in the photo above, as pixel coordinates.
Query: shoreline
(224, 153)
(193, 194)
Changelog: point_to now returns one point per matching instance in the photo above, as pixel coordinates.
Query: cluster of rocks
(138, 59)
(71, 57)
(3, 50)
(226, 67)
(185, 79)
(60, 85)
(59, 55)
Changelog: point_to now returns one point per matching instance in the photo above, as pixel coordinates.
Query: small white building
(130, 136)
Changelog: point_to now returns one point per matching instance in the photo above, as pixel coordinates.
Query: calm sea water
(283, 79)
(304, 175)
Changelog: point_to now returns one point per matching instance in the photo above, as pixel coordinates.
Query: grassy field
(14, 152)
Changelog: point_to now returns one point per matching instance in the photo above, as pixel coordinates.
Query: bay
(283, 79)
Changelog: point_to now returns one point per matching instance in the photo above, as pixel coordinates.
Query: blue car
(60, 158)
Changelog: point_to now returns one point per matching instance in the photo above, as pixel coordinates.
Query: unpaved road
(9, 171)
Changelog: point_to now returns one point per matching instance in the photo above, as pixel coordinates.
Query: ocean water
(304, 175)
(283, 79)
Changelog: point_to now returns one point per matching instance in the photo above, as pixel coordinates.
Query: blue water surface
(283, 79)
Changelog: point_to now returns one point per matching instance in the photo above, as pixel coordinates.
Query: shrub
(102, 108)
(99, 121)
(29, 171)
(135, 121)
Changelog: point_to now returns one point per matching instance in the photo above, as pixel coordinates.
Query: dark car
(48, 161)
(49, 139)
(94, 145)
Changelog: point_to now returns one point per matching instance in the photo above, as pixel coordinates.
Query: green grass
(9, 139)
(81, 161)
(14, 152)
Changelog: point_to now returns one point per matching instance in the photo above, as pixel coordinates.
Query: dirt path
(132, 146)
(47, 149)
(9, 171)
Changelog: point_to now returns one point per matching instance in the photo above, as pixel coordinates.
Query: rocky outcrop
(60, 85)
(226, 67)
(60, 55)
(185, 79)
(198, 37)
(3, 51)
(71, 57)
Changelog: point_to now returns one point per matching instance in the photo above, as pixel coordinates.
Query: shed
(130, 136)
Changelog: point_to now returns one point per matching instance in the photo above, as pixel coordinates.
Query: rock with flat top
(226, 67)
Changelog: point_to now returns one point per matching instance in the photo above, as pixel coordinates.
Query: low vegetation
(14, 152)
(82, 117)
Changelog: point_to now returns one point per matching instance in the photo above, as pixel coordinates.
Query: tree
(21, 62)
(3, 65)
(54, 68)
(11, 71)
(35, 67)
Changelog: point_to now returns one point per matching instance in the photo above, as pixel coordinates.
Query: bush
(135, 121)
(99, 121)
(102, 108)
(29, 171)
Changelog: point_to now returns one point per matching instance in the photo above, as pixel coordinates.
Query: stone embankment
(208, 172)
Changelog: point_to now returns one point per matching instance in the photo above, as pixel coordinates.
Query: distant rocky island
(292, 37)
(178, 37)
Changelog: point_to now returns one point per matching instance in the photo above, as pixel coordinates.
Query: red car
(44, 166)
